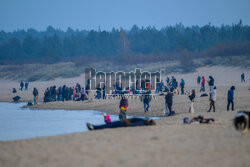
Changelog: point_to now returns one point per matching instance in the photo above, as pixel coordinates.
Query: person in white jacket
(212, 99)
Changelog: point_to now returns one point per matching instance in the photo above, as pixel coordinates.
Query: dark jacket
(169, 98)
(230, 94)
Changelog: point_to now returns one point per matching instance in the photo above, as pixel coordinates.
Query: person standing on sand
(230, 98)
(212, 99)
(242, 77)
(35, 94)
(169, 103)
(182, 85)
(203, 84)
(21, 85)
(26, 85)
(146, 98)
(191, 98)
(198, 80)
(211, 83)
(123, 107)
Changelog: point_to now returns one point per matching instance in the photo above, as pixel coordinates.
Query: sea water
(22, 123)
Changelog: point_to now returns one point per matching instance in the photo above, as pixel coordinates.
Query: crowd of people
(143, 88)
(64, 93)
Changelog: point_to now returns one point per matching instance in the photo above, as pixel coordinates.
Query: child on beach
(107, 119)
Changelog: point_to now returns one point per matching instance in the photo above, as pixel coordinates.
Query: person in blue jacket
(230, 98)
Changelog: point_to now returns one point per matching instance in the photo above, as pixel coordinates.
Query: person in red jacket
(203, 84)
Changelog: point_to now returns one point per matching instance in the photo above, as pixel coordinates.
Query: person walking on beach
(191, 98)
(123, 108)
(211, 83)
(21, 85)
(242, 77)
(202, 84)
(35, 94)
(169, 103)
(182, 85)
(146, 98)
(212, 99)
(230, 98)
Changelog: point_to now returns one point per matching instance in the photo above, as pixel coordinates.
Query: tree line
(137, 45)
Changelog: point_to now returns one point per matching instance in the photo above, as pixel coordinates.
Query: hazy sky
(90, 14)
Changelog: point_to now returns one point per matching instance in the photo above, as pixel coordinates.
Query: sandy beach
(169, 143)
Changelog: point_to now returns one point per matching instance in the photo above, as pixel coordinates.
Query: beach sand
(169, 143)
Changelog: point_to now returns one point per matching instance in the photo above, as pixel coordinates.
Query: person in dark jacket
(211, 83)
(242, 77)
(182, 85)
(191, 98)
(124, 123)
(123, 108)
(169, 102)
(26, 85)
(21, 85)
(146, 98)
(230, 98)
(35, 93)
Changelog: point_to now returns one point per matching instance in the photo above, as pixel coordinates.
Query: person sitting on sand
(191, 98)
(212, 99)
(124, 123)
(107, 119)
(14, 90)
